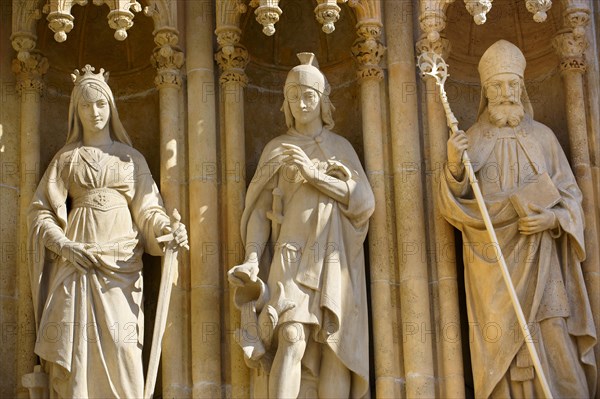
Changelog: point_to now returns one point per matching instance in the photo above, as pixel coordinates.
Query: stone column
(443, 252)
(29, 67)
(407, 175)
(168, 59)
(441, 234)
(593, 102)
(232, 58)
(368, 52)
(571, 44)
(205, 267)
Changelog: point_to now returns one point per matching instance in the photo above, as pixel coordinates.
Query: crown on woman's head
(87, 73)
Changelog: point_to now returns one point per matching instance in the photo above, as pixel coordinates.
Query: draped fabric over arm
(90, 325)
(318, 255)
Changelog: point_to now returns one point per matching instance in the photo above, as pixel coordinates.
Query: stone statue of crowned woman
(95, 212)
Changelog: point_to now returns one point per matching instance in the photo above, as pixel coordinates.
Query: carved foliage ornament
(25, 14)
(577, 19)
(571, 42)
(167, 59)
(433, 12)
(267, 14)
(23, 45)
(232, 57)
(440, 47)
(328, 13)
(29, 72)
(233, 65)
(368, 51)
(432, 18)
(539, 9)
(479, 9)
(163, 13)
(571, 49)
(120, 16)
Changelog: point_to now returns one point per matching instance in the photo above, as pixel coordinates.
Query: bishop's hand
(542, 220)
(457, 144)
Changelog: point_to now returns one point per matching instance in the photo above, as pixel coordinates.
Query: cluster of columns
(205, 262)
(168, 59)
(29, 68)
(232, 59)
(440, 235)
(426, 286)
(571, 44)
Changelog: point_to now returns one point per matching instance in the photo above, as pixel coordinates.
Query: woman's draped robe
(545, 267)
(91, 326)
(318, 255)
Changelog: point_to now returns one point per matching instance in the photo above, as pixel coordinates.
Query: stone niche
(131, 78)
(271, 58)
(132, 82)
(509, 20)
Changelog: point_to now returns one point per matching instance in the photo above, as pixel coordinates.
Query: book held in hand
(541, 192)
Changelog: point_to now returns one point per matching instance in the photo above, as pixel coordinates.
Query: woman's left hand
(180, 235)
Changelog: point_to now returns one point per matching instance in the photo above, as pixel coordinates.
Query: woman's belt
(103, 199)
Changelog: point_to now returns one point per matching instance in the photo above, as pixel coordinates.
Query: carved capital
(370, 73)
(23, 44)
(228, 37)
(368, 51)
(30, 72)
(234, 76)
(478, 9)
(232, 64)
(367, 10)
(574, 64)
(25, 14)
(440, 47)
(539, 9)
(168, 77)
(167, 59)
(163, 13)
(571, 50)
(577, 20)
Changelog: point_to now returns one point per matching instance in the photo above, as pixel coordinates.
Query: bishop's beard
(506, 114)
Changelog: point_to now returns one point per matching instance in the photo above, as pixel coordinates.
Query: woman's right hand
(242, 274)
(79, 256)
(457, 144)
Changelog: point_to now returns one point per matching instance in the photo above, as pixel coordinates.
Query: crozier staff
(535, 206)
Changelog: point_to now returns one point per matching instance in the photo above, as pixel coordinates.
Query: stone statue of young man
(535, 206)
(311, 199)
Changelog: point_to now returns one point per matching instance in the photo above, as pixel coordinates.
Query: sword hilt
(175, 222)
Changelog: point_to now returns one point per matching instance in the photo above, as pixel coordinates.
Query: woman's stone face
(93, 109)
